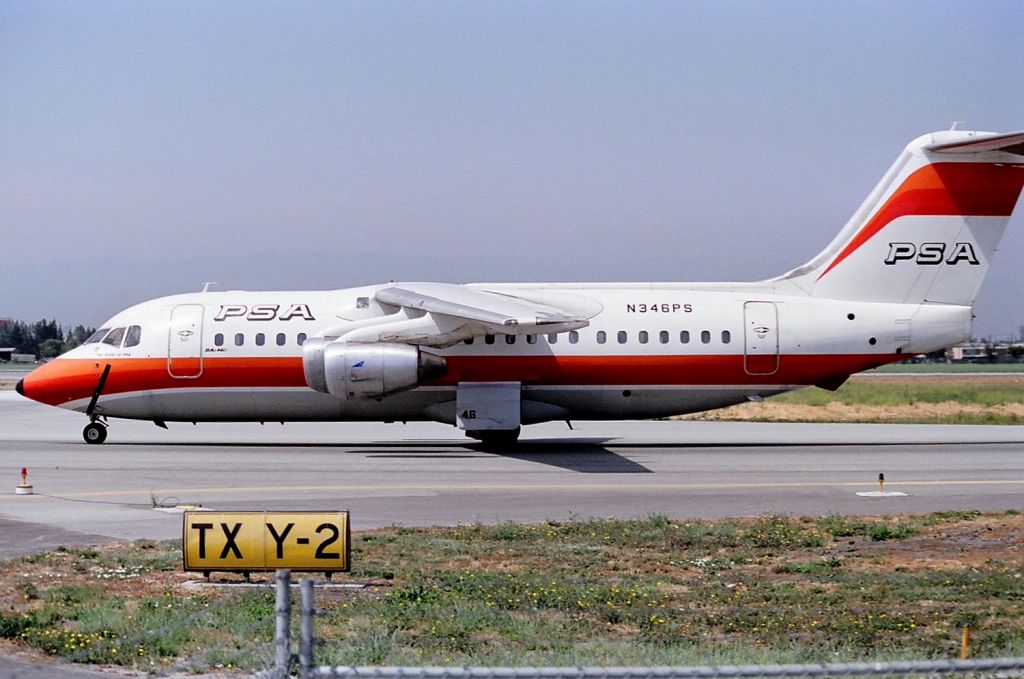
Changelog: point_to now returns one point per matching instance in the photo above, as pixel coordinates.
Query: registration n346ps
(265, 541)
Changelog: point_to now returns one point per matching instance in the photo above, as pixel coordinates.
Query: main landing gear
(95, 432)
(495, 437)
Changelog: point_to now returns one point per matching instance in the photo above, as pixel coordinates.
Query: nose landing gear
(95, 433)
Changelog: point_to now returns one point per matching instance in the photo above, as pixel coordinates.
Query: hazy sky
(146, 147)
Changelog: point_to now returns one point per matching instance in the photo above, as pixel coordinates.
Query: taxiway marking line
(234, 490)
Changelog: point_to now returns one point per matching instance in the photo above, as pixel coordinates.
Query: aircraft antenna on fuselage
(207, 284)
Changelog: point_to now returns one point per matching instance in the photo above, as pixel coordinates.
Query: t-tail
(927, 232)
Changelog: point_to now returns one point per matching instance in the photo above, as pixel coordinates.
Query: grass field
(890, 391)
(578, 592)
(984, 391)
(894, 398)
(944, 368)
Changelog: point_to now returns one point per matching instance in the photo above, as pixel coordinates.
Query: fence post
(965, 643)
(307, 610)
(283, 629)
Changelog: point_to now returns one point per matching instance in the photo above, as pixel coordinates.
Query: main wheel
(495, 437)
(94, 433)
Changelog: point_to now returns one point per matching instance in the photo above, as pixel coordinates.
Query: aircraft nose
(20, 386)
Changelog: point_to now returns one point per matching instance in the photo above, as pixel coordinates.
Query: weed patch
(892, 398)
(650, 591)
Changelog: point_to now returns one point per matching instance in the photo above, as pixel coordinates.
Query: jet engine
(352, 371)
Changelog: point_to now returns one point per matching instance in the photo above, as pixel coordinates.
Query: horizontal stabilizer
(1011, 142)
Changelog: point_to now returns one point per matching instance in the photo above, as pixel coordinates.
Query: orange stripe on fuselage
(651, 370)
(72, 379)
(68, 379)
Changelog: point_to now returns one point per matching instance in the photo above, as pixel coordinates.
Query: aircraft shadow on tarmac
(588, 457)
(552, 444)
(583, 455)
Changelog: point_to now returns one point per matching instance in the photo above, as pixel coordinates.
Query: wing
(500, 313)
(441, 314)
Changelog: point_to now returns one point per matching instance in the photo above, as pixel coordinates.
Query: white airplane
(899, 279)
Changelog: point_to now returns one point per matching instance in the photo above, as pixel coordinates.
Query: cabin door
(761, 338)
(185, 342)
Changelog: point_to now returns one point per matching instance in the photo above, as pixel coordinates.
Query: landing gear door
(185, 342)
(761, 338)
(488, 406)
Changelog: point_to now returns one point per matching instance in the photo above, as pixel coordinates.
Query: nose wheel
(94, 433)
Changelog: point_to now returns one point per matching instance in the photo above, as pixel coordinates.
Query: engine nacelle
(313, 363)
(353, 371)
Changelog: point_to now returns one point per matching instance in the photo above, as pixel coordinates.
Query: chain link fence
(286, 661)
(924, 667)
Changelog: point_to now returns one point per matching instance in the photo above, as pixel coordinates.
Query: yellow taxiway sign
(266, 541)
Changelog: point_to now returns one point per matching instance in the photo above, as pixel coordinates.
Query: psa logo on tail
(931, 253)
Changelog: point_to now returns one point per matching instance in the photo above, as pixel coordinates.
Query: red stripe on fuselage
(68, 379)
(945, 189)
(71, 379)
(648, 370)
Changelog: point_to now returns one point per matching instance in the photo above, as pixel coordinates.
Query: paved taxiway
(426, 474)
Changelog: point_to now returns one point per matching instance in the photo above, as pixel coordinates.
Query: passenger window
(622, 337)
(574, 337)
(218, 340)
(601, 337)
(115, 337)
(553, 338)
(468, 341)
(531, 339)
(510, 339)
(239, 339)
(97, 336)
(281, 339)
(642, 336)
(488, 339)
(705, 336)
(663, 336)
(726, 337)
(684, 336)
(133, 336)
(261, 339)
(301, 338)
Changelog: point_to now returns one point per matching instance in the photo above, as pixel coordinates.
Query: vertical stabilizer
(929, 229)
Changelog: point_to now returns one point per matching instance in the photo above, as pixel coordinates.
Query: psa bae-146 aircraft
(899, 279)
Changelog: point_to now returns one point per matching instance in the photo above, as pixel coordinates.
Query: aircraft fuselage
(651, 352)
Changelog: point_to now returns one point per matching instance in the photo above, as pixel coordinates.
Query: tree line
(43, 339)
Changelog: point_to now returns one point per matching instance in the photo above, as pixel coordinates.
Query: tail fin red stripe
(943, 189)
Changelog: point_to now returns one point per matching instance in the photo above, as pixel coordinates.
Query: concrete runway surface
(428, 474)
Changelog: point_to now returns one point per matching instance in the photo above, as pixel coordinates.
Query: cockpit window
(97, 336)
(133, 336)
(114, 338)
